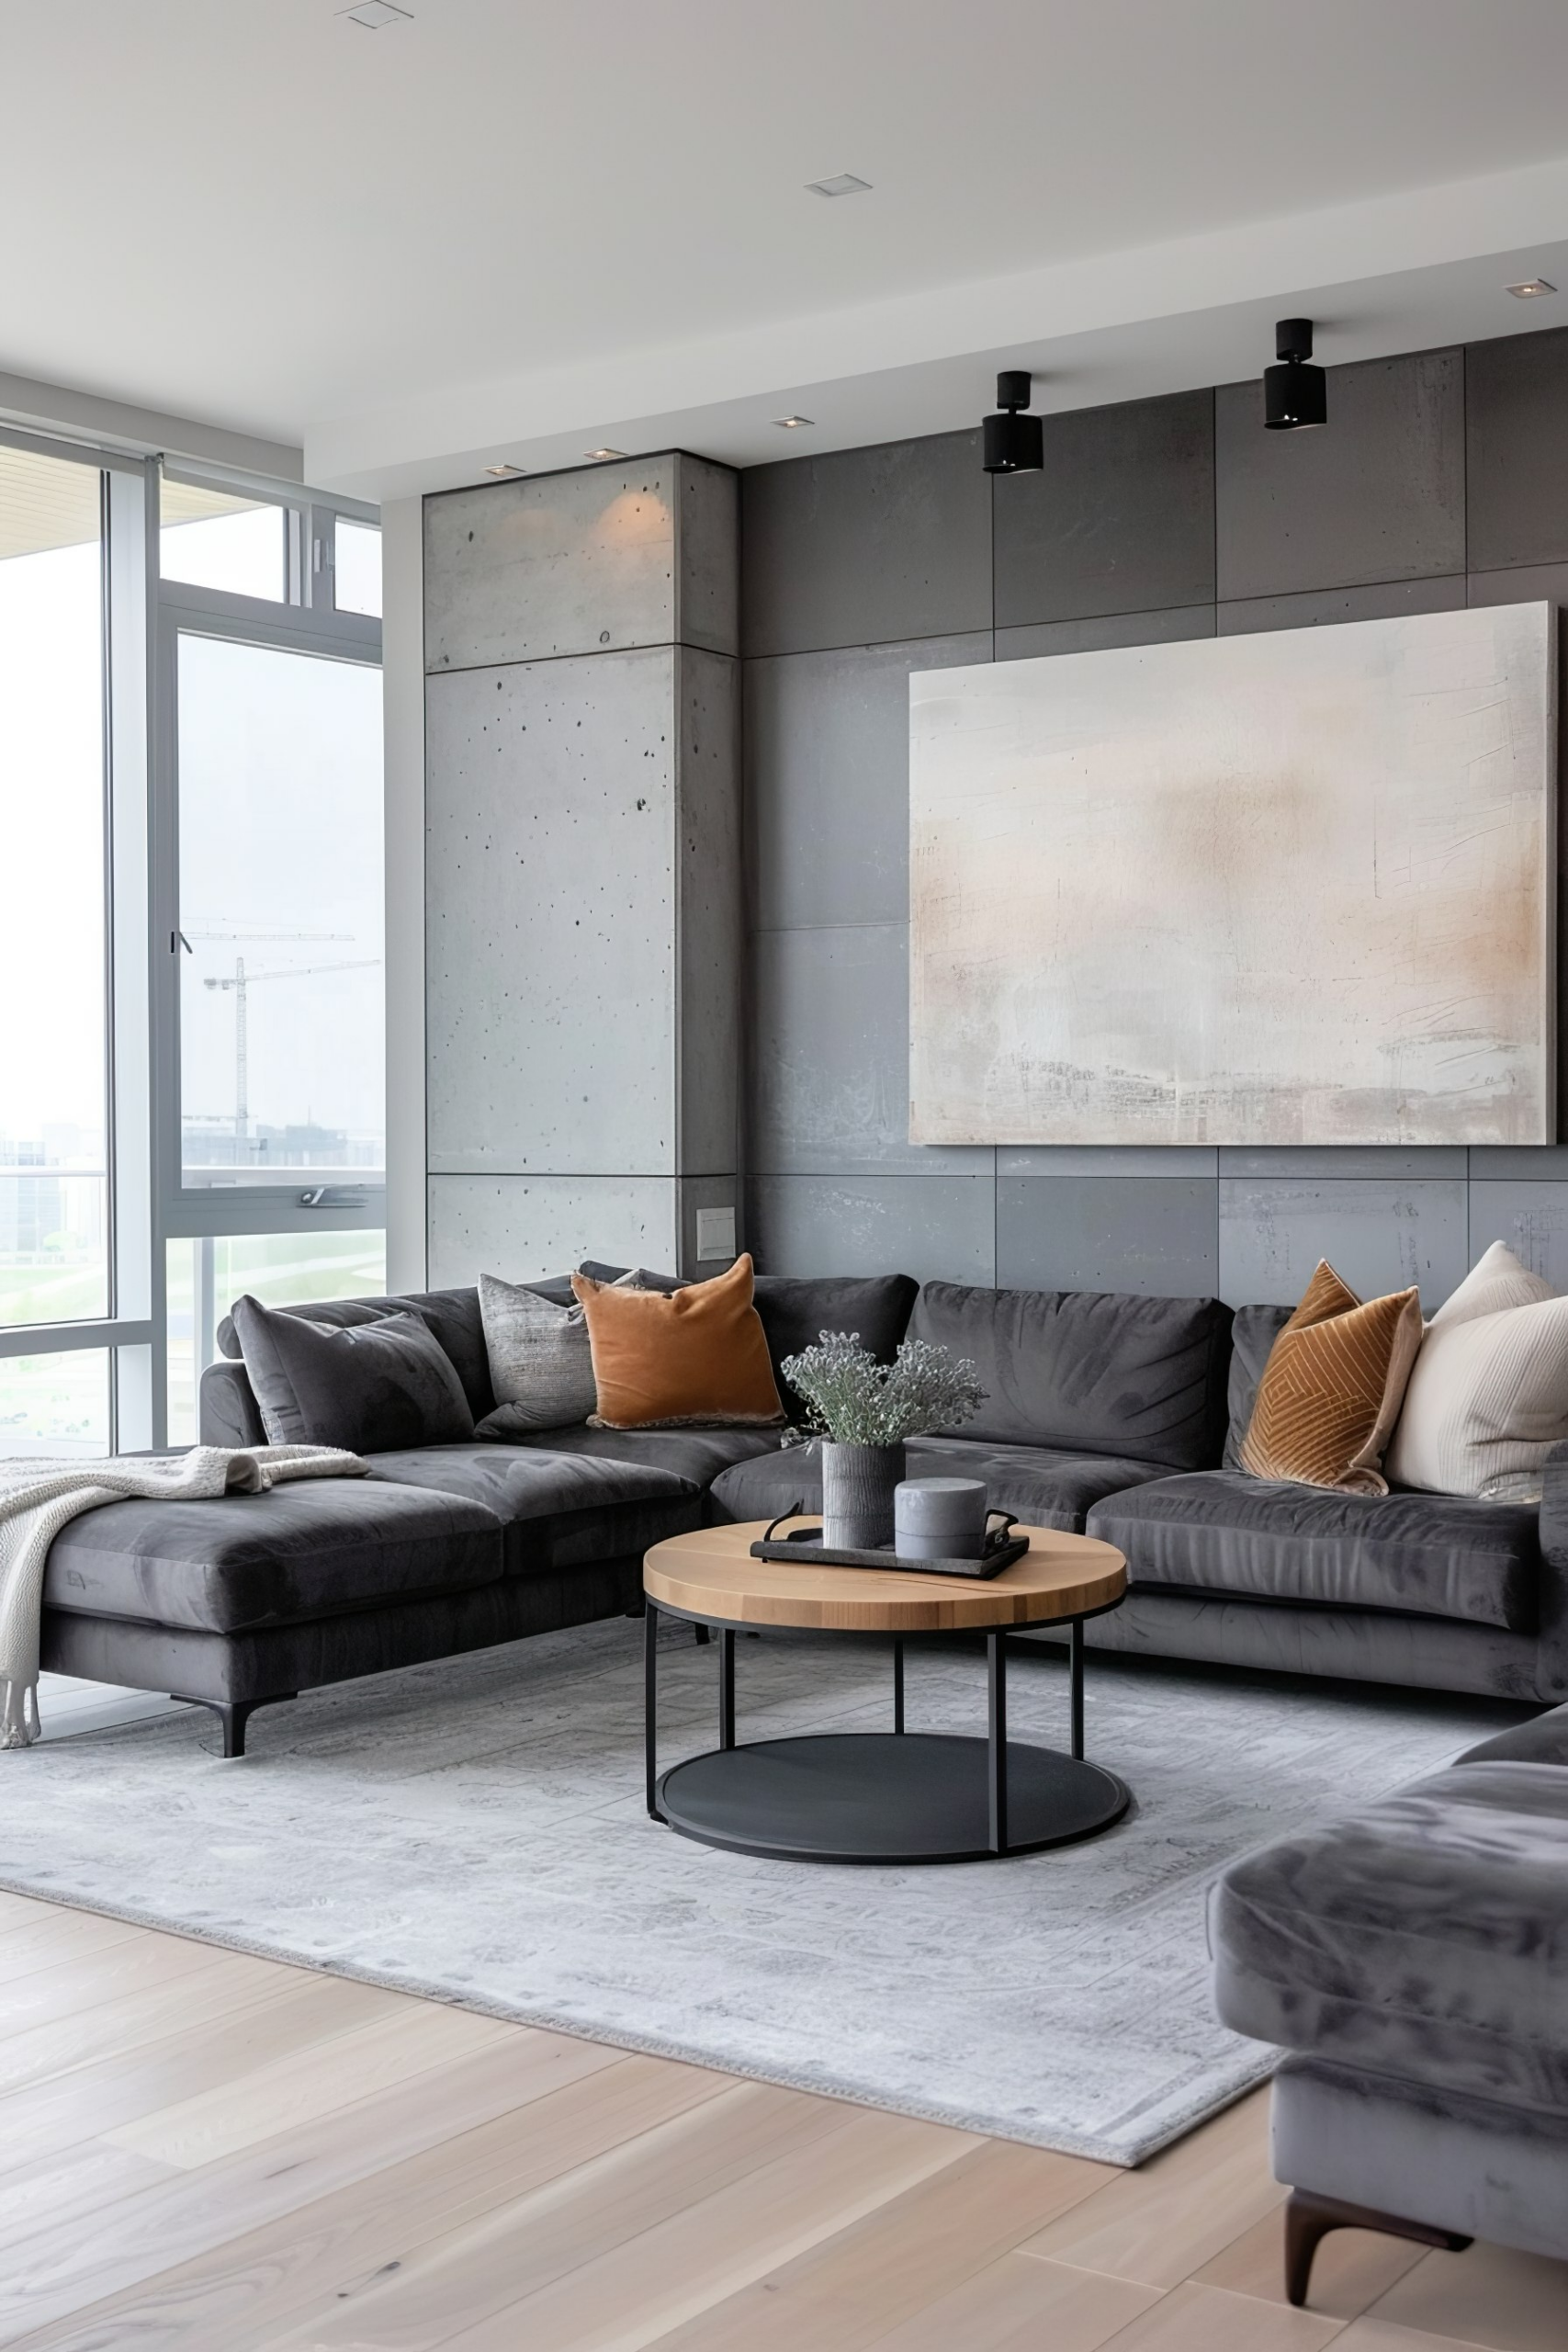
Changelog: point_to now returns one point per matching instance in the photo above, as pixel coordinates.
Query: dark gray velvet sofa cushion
(1253, 1334)
(1091, 1372)
(452, 1315)
(312, 1549)
(795, 1312)
(560, 1510)
(1425, 1937)
(384, 1383)
(697, 1456)
(230, 1414)
(1043, 1486)
(1433, 1556)
(1544, 1741)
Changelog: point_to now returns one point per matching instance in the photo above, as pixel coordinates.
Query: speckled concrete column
(583, 884)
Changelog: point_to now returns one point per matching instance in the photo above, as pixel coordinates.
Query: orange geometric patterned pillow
(1332, 1388)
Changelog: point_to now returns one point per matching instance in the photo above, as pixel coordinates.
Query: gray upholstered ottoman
(1413, 1960)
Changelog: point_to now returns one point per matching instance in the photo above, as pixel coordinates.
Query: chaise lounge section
(1413, 1962)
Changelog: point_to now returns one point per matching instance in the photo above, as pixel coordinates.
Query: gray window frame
(148, 1203)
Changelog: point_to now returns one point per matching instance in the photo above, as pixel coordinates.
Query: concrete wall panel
(1155, 1234)
(1377, 495)
(866, 545)
(551, 814)
(707, 575)
(829, 1075)
(827, 766)
(524, 1227)
(937, 1229)
(1378, 1237)
(1121, 518)
(1096, 635)
(1531, 1216)
(1385, 600)
(562, 563)
(1516, 397)
(710, 924)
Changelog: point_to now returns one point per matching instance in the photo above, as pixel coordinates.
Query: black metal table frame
(996, 1640)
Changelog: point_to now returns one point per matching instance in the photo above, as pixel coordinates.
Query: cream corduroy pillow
(1488, 1398)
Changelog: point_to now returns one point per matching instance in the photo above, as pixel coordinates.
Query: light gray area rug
(475, 1830)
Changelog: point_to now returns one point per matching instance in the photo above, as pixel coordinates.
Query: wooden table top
(711, 1573)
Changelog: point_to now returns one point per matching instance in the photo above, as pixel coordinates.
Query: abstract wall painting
(1296, 887)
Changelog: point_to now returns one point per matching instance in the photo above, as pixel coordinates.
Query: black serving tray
(1002, 1548)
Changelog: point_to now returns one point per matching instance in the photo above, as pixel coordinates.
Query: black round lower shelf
(884, 1797)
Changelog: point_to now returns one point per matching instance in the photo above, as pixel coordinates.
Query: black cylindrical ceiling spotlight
(1293, 394)
(1014, 444)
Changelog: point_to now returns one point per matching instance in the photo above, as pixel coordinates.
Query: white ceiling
(511, 230)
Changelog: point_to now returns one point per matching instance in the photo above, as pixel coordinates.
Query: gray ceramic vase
(858, 1483)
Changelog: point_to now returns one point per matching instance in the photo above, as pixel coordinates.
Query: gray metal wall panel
(1120, 519)
(866, 545)
(1378, 1237)
(829, 1077)
(1516, 450)
(550, 802)
(562, 563)
(1151, 1234)
(1377, 495)
(939, 1229)
(826, 765)
(524, 1227)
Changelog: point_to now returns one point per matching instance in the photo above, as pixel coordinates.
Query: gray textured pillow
(541, 1366)
(371, 1388)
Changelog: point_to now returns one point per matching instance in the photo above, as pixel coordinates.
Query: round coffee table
(898, 1796)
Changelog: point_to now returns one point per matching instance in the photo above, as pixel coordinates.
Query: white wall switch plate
(716, 1234)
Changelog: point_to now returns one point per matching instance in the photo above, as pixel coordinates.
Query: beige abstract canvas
(1286, 889)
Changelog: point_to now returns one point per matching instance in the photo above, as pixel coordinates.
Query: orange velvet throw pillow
(1332, 1388)
(669, 1359)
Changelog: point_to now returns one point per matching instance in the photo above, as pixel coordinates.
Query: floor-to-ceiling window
(191, 978)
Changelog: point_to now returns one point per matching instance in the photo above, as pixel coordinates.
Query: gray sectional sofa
(1412, 1960)
(1114, 1414)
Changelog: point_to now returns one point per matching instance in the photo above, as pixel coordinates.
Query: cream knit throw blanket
(39, 1497)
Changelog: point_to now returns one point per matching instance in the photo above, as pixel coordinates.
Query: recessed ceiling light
(842, 184)
(791, 423)
(502, 471)
(1528, 287)
(374, 14)
(600, 455)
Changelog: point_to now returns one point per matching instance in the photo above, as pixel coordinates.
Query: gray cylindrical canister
(939, 1519)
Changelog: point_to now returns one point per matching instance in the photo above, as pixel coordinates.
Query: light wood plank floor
(205, 2150)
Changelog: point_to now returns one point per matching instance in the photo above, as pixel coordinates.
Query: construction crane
(242, 982)
(218, 930)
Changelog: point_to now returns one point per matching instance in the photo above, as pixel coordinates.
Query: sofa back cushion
(1253, 1334)
(368, 1386)
(452, 1316)
(795, 1311)
(1105, 1370)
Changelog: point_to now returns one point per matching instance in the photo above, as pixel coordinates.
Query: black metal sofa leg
(1309, 2219)
(234, 1714)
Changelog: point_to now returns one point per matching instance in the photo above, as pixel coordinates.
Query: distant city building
(213, 1144)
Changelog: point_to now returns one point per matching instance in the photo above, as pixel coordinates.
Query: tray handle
(796, 1510)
